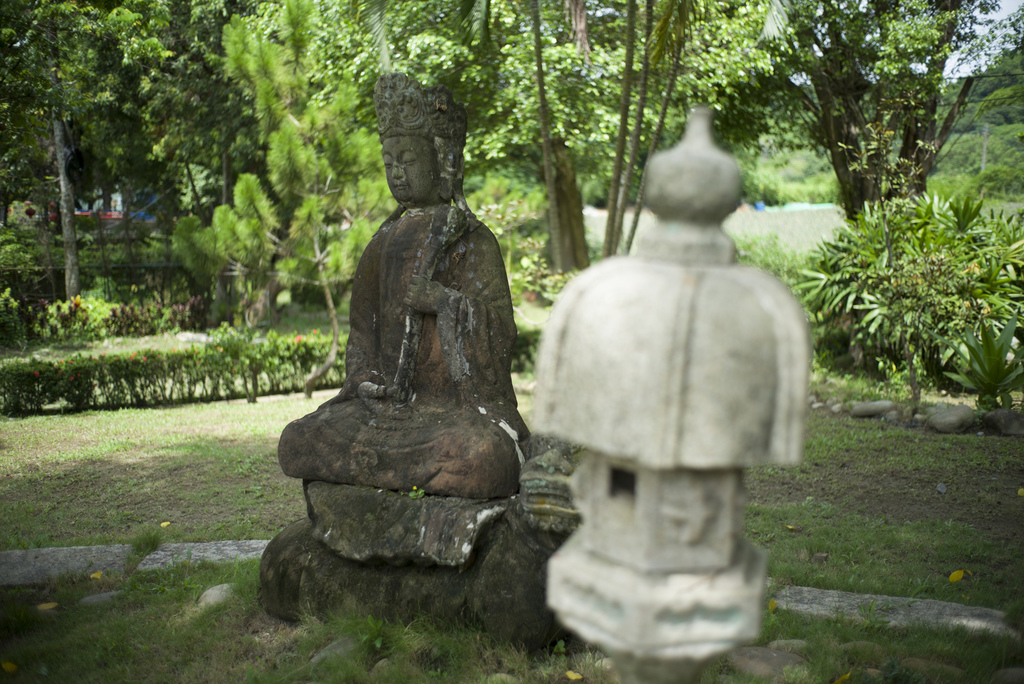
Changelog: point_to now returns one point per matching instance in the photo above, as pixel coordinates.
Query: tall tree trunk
(559, 259)
(655, 137)
(638, 124)
(612, 231)
(72, 278)
(225, 170)
(332, 354)
(570, 209)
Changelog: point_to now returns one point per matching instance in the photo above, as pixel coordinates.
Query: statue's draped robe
(460, 432)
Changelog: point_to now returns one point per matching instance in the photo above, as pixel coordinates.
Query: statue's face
(411, 166)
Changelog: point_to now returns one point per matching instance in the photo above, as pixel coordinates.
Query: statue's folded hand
(424, 294)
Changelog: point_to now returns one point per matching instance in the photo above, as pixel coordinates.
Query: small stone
(216, 595)
(1007, 422)
(96, 599)
(789, 645)
(936, 672)
(892, 416)
(762, 662)
(817, 405)
(940, 488)
(1009, 675)
(838, 408)
(337, 649)
(382, 665)
(812, 399)
(952, 420)
(867, 651)
(869, 409)
(819, 558)
(920, 417)
(501, 678)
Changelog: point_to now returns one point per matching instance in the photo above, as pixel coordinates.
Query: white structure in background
(676, 369)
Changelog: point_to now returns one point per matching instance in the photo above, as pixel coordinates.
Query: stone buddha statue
(428, 399)
(428, 404)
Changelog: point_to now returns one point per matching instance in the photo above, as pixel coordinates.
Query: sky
(955, 68)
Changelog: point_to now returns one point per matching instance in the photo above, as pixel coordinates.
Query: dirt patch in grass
(893, 472)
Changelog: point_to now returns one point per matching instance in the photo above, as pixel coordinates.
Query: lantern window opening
(622, 483)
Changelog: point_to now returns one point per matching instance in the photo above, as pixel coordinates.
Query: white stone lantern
(675, 368)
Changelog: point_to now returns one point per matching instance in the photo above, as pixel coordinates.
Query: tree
(324, 172)
(53, 60)
(472, 21)
(858, 67)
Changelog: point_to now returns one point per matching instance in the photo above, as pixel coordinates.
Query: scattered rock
(940, 488)
(869, 409)
(501, 678)
(1006, 421)
(892, 416)
(1009, 675)
(789, 645)
(951, 420)
(817, 405)
(382, 665)
(216, 595)
(762, 662)
(337, 649)
(866, 651)
(930, 411)
(820, 558)
(935, 672)
(838, 408)
(608, 667)
(96, 599)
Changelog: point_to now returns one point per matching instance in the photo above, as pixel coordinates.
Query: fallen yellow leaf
(165, 524)
(844, 678)
(574, 676)
(97, 574)
(956, 576)
(790, 527)
(772, 605)
(1020, 492)
(46, 606)
(9, 666)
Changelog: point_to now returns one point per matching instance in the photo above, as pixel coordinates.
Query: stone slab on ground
(216, 552)
(899, 612)
(31, 566)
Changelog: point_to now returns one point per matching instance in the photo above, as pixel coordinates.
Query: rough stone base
(502, 591)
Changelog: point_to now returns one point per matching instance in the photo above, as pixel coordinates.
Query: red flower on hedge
(298, 338)
(35, 373)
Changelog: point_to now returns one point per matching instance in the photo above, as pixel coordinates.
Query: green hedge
(232, 365)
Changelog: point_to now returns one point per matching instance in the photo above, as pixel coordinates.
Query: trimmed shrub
(231, 366)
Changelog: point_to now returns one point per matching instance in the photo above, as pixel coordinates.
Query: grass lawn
(865, 495)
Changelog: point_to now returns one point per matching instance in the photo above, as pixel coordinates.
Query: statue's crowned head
(406, 109)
